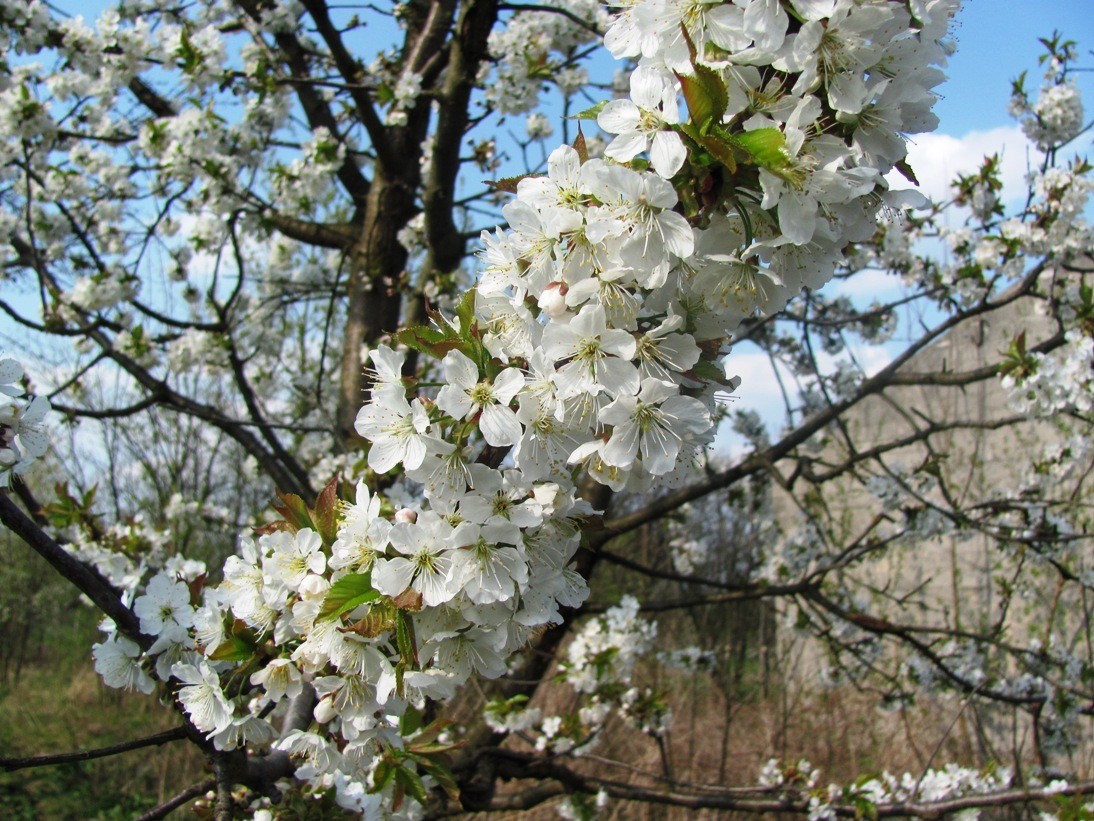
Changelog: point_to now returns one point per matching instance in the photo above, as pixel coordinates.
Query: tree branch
(187, 795)
(468, 49)
(86, 579)
(569, 15)
(352, 73)
(316, 109)
(519, 765)
(338, 235)
(888, 376)
(108, 413)
(11, 764)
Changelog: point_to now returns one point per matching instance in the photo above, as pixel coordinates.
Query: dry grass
(723, 735)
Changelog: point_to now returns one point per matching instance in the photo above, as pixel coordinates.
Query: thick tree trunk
(377, 280)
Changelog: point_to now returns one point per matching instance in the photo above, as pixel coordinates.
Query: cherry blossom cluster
(801, 781)
(535, 48)
(1057, 382)
(1056, 117)
(22, 440)
(599, 665)
(689, 552)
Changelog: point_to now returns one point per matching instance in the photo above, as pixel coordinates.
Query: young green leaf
(326, 513)
(404, 638)
(590, 113)
(765, 147)
(412, 783)
(705, 95)
(346, 594)
(235, 648)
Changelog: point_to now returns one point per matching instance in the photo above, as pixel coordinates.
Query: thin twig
(10, 764)
(187, 795)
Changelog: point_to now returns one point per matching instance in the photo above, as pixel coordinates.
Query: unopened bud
(314, 587)
(324, 711)
(553, 300)
(406, 516)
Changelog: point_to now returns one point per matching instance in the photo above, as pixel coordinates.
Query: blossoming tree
(244, 214)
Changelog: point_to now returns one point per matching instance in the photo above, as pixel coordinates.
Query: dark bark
(376, 278)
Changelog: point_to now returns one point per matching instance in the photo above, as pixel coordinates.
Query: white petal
(797, 217)
(679, 238)
(623, 446)
(626, 146)
(10, 370)
(667, 153)
(508, 384)
(392, 576)
(619, 116)
(384, 455)
(499, 426)
(459, 370)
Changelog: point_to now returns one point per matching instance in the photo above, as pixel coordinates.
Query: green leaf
(590, 113)
(441, 774)
(865, 808)
(581, 147)
(346, 594)
(906, 171)
(710, 372)
(421, 334)
(404, 639)
(508, 184)
(429, 735)
(379, 619)
(412, 783)
(400, 668)
(705, 95)
(721, 149)
(382, 775)
(326, 512)
(691, 131)
(410, 721)
(294, 511)
(766, 147)
(235, 648)
(427, 340)
(465, 311)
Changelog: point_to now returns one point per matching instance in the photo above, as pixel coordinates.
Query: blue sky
(996, 41)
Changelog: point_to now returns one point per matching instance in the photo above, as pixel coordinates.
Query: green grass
(59, 705)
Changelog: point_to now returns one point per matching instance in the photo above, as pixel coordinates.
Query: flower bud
(324, 711)
(553, 299)
(314, 587)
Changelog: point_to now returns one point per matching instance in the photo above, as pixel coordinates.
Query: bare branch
(184, 797)
(888, 376)
(569, 15)
(11, 764)
(338, 236)
(86, 579)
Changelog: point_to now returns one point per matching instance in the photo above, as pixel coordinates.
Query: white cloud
(870, 284)
(938, 158)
